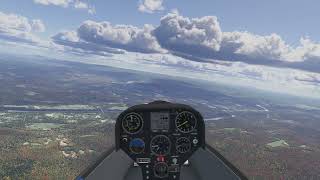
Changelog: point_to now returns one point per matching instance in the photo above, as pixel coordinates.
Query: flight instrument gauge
(160, 145)
(183, 145)
(161, 170)
(132, 123)
(186, 122)
(136, 146)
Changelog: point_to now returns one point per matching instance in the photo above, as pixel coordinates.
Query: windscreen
(68, 68)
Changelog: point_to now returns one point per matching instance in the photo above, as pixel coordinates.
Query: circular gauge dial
(132, 123)
(136, 146)
(160, 145)
(183, 145)
(186, 122)
(161, 170)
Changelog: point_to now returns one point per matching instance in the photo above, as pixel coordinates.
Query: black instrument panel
(160, 137)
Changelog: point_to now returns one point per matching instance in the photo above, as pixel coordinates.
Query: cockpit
(160, 137)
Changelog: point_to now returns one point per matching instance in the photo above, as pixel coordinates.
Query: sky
(273, 42)
(291, 19)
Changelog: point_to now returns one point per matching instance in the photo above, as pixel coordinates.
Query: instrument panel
(160, 137)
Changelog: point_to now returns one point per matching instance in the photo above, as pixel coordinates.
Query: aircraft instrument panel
(160, 137)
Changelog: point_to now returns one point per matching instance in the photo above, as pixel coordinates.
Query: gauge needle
(156, 146)
(183, 124)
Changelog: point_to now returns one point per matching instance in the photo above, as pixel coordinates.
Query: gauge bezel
(144, 146)
(139, 117)
(169, 149)
(154, 170)
(193, 128)
(177, 145)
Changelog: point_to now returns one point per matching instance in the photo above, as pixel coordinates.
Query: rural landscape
(54, 125)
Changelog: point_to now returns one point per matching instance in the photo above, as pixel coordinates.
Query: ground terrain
(57, 117)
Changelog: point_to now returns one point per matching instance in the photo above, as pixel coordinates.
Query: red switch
(160, 158)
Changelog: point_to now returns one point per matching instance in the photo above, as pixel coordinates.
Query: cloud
(270, 50)
(203, 38)
(76, 4)
(16, 28)
(309, 78)
(308, 50)
(197, 39)
(14, 22)
(105, 37)
(191, 36)
(150, 6)
(256, 46)
(72, 40)
(38, 26)
(82, 5)
(62, 3)
(67, 36)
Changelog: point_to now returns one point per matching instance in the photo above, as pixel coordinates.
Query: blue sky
(291, 19)
(272, 45)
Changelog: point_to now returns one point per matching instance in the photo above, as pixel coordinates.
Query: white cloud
(256, 46)
(308, 50)
(62, 3)
(16, 28)
(179, 33)
(38, 26)
(82, 5)
(69, 36)
(202, 39)
(105, 36)
(14, 22)
(76, 4)
(72, 43)
(150, 6)
(271, 47)
(197, 39)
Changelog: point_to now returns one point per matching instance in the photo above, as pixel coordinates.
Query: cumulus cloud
(150, 6)
(14, 22)
(105, 36)
(77, 4)
(16, 28)
(198, 39)
(308, 50)
(191, 36)
(255, 46)
(67, 36)
(201, 39)
(76, 44)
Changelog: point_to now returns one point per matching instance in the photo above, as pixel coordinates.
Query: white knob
(195, 141)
